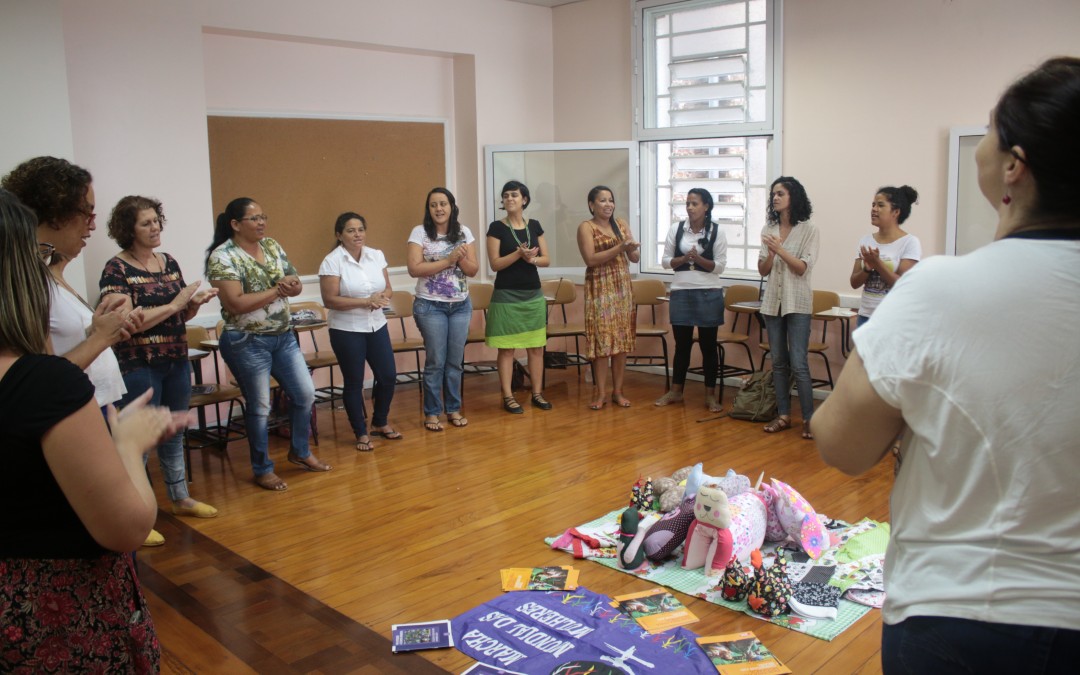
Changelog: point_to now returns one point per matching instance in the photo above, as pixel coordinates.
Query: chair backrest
(480, 295)
(401, 305)
(739, 293)
(824, 300)
(648, 291)
(561, 291)
(196, 335)
(319, 310)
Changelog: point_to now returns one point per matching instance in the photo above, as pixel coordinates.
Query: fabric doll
(708, 542)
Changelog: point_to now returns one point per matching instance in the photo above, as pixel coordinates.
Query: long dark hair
(800, 203)
(900, 198)
(593, 194)
(706, 199)
(24, 295)
(1040, 113)
(339, 225)
(223, 231)
(453, 231)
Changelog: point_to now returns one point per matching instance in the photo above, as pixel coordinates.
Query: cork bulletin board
(304, 172)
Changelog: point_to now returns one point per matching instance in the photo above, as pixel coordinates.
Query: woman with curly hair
(69, 596)
(789, 249)
(155, 358)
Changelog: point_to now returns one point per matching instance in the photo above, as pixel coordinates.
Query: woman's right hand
(139, 427)
(630, 246)
(112, 320)
(456, 254)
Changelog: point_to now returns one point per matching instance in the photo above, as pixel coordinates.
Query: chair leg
(667, 373)
(764, 355)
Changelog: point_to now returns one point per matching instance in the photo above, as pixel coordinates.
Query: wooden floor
(310, 580)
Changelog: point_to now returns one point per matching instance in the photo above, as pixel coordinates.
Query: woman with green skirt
(517, 315)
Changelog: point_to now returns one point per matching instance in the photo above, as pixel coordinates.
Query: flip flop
(391, 435)
(271, 481)
(317, 467)
(432, 423)
(364, 446)
(458, 420)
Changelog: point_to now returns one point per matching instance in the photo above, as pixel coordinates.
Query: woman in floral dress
(610, 315)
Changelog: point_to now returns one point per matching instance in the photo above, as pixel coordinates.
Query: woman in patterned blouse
(156, 357)
(255, 280)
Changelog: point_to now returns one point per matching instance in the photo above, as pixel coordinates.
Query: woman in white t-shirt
(355, 288)
(888, 253)
(441, 256)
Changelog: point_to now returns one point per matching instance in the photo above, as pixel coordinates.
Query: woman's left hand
(203, 297)
(529, 253)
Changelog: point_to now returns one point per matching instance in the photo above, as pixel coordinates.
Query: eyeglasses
(262, 217)
(46, 250)
(89, 213)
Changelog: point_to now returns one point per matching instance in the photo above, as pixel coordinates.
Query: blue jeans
(253, 358)
(171, 383)
(927, 645)
(789, 338)
(860, 320)
(352, 350)
(445, 327)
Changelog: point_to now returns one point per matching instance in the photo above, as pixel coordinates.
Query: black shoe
(511, 406)
(539, 401)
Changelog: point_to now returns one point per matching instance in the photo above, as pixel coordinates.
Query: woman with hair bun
(983, 552)
(888, 253)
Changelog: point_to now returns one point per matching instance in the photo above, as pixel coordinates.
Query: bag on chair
(756, 400)
(518, 376)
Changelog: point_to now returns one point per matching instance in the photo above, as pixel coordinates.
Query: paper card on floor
(656, 610)
(539, 578)
(741, 654)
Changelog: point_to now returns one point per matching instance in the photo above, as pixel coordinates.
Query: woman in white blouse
(355, 288)
(789, 248)
(697, 251)
(887, 253)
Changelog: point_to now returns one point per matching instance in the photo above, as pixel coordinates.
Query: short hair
(24, 295)
(800, 203)
(339, 225)
(125, 215)
(900, 198)
(54, 188)
(1040, 113)
(520, 187)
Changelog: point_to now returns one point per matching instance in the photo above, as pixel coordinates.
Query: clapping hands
(871, 257)
(529, 254)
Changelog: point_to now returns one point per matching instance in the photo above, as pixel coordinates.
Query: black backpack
(756, 400)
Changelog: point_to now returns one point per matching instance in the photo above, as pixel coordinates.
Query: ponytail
(223, 225)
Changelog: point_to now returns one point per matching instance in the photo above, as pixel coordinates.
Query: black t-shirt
(520, 275)
(36, 393)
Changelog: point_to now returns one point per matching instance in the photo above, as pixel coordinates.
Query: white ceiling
(546, 3)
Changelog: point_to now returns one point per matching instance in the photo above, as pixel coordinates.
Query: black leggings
(684, 341)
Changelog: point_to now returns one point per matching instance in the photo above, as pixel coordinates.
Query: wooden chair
(401, 304)
(560, 293)
(732, 295)
(318, 359)
(822, 300)
(650, 293)
(206, 394)
(480, 295)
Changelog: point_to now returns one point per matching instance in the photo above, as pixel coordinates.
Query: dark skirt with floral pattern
(75, 615)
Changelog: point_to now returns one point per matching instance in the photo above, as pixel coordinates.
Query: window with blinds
(706, 118)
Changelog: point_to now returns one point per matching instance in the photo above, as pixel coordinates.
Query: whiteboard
(971, 220)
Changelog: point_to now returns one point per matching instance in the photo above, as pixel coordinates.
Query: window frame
(642, 85)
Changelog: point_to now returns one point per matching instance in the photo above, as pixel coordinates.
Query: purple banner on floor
(565, 632)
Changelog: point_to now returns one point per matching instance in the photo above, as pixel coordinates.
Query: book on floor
(656, 610)
(741, 653)
(407, 637)
(539, 578)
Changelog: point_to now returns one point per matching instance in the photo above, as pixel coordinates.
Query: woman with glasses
(62, 196)
(255, 280)
(69, 597)
(441, 256)
(155, 358)
(697, 250)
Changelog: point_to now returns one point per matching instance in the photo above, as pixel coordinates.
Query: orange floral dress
(610, 313)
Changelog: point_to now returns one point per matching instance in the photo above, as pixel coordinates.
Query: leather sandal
(618, 399)
(313, 465)
(778, 424)
(511, 406)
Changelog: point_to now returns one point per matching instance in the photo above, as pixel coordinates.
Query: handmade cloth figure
(708, 542)
(771, 588)
(668, 534)
(736, 581)
(632, 531)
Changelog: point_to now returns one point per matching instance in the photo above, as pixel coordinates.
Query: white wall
(137, 88)
(871, 88)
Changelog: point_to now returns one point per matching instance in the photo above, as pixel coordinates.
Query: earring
(1006, 200)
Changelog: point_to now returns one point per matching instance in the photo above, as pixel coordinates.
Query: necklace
(60, 280)
(146, 265)
(528, 241)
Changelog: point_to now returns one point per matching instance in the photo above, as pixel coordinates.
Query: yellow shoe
(200, 510)
(154, 539)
